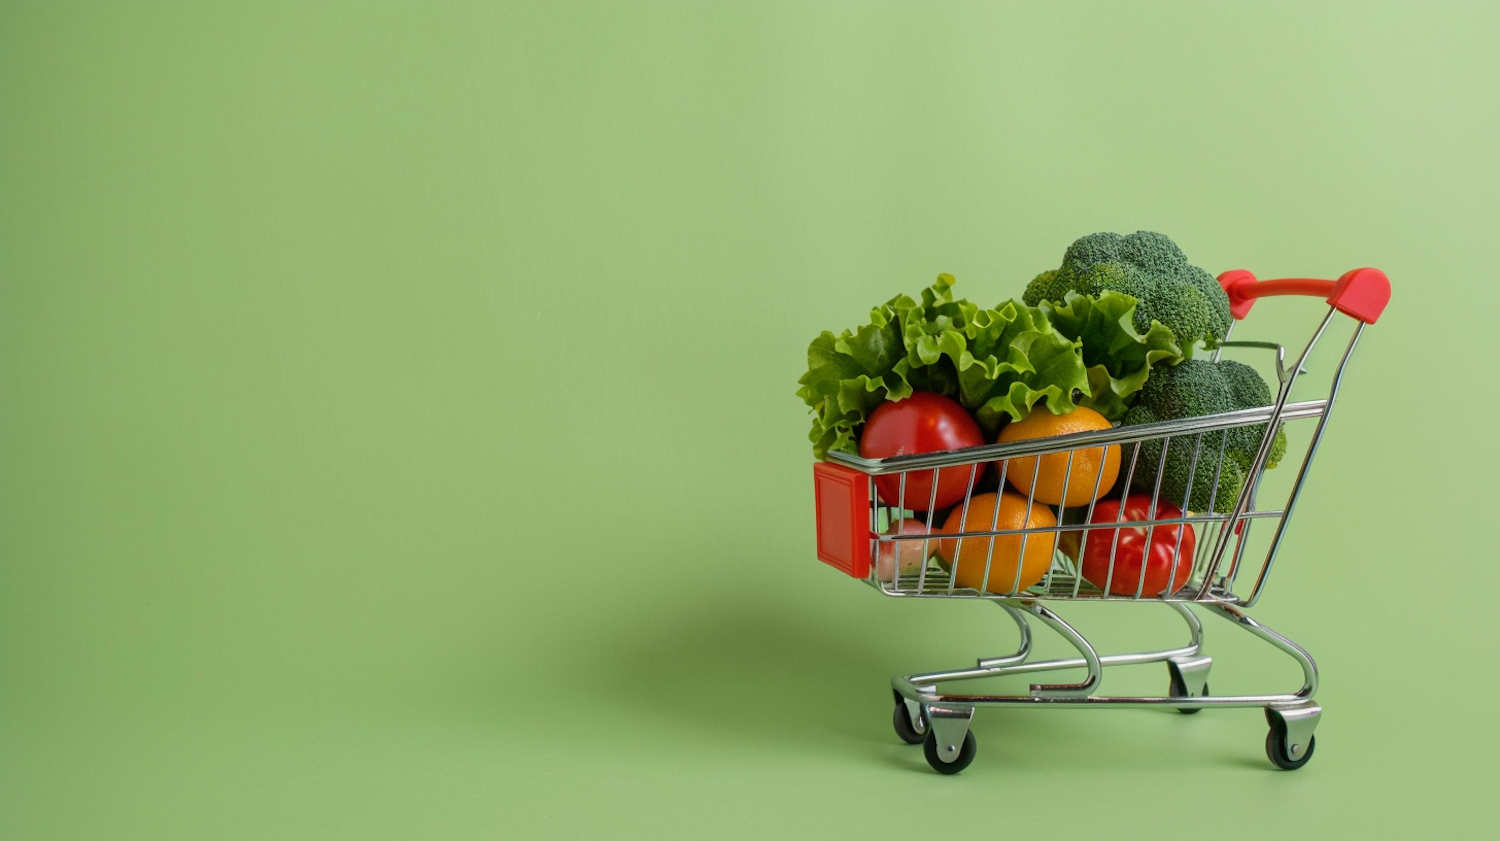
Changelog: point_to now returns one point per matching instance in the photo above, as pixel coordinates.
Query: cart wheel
(1180, 691)
(1178, 688)
(901, 720)
(965, 754)
(1276, 750)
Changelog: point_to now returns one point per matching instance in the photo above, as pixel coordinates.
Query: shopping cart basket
(863, 509)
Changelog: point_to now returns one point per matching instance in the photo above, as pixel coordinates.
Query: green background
(398, 435)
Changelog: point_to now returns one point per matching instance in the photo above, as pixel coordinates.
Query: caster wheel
(965, 754)
(901, 721)
(1276, 750)
(1179, 691)
(1290, 742)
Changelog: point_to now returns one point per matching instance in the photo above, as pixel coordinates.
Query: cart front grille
(1056, 550)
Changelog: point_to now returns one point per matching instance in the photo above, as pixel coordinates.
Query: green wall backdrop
(398, 435)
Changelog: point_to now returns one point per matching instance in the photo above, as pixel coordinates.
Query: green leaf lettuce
(1117, 355)
(998, 363)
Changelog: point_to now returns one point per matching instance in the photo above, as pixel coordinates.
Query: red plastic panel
(843, 500)
(1362, 294)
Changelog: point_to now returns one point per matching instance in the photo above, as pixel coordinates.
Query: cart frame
(850, 534)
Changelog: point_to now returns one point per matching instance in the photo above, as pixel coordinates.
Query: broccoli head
(1146, 266)
(1194, 388)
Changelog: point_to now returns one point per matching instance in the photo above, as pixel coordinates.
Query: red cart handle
(1361, 293)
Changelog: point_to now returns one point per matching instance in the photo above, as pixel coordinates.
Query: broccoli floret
(1150, 268)
(1194, 388)
(1091, 250)
(1186, 312)
(1247, 389)
(1152, 252)
(1219, 318)
(1047, 286)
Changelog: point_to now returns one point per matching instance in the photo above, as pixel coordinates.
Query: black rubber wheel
(965, 754)
(1276, 750)
(901, 721)
(1177, 690)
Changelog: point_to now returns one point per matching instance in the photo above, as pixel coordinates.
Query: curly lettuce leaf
(934, 327)
(1015, 360)
(1118, 357)
(1006, 359)
(997, 362)
(848, 376)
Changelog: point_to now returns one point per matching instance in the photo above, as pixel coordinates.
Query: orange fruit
(1088, 463)
(966, 557)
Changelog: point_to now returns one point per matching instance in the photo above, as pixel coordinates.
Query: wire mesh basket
(1166, 512)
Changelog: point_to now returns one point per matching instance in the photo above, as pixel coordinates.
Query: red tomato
(925, 422)
(1131, 552)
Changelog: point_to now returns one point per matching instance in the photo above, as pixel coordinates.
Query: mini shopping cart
(1228, 573)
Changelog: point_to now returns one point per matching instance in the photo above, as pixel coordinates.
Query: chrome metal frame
(1217, 562)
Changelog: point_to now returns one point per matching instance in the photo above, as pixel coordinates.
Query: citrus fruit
(1091, 465)
(966, 557)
